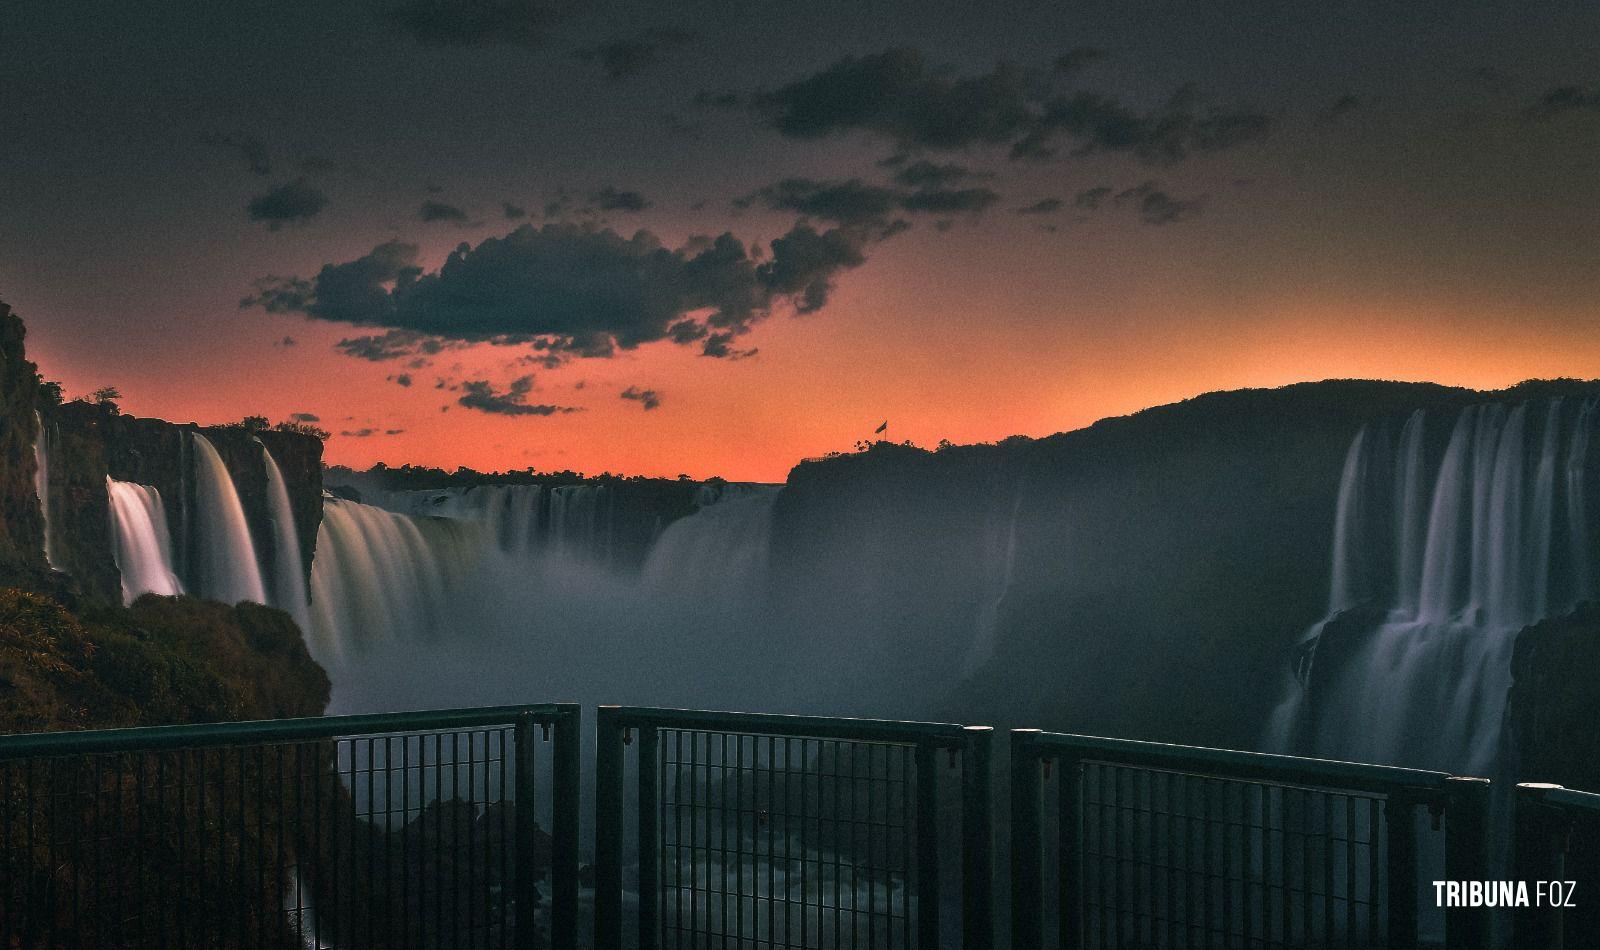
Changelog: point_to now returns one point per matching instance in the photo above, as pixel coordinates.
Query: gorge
(1328, 568)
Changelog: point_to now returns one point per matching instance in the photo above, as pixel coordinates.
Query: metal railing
(400, 830)
(1164, 846)
(770, 831)
(1555, 844)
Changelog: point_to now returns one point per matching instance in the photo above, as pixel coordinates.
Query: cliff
(21, 522)
(1143, 577)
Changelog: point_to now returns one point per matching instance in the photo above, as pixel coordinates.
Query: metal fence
(1163, 846)
(1556, 852)
(767, 831)
(403, 830)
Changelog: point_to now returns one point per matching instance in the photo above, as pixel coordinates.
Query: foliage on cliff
(163, 660)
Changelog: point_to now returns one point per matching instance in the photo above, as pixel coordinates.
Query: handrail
(143, 738)
(776, 724)
(1381, 779)
(968, 744)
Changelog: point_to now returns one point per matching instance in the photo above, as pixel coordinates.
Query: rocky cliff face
(1143, 577)
(86, 444)
(21, 521)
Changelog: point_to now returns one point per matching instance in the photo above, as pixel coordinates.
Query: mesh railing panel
(391, 840)
(776, 842)
(1178, 860)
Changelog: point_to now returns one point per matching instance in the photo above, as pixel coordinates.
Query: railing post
(1466, 858)
(927, 846)
(525, 892)
(1400, 818)
(977, 841)
(608, 768)
(1027, 843)
(649, 840)
(1539, 854)
(567, 782)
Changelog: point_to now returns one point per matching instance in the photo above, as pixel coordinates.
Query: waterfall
(1427, 686)
(718, 554)
(288, 581)
(382, 576)
(142, 547)
(997, 561)
(224, 566)
(41, 482)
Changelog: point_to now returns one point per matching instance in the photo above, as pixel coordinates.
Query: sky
(714, 238)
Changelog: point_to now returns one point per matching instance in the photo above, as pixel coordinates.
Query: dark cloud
(621, 58)
(926, 174)
(479, 394)
(512, 212)
(401, 379)
(253, 150)
(1097, 123)
(856, 203)
(304, 417)
(393, 345)
(1565, 99)
(1340, 107)
(1155, 205)
(718, 100)
(898, 95)
(286, 342)
(439, 211)
(949, 201)
(293, 201)
(610, 198)
(1091, 198)
(1076, 60)
(569, 290)
(1042, 206)
(647, 398)
(525, 23)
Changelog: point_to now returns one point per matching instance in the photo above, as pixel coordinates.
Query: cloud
(1077, 59)
(569, 290)
(287, 341)
(439, 211)
(1042, 206)
(253, 150)
(294, 201)
(898, 95)
(402, 379)
(647, 398)
(1341, 107)
(926, 174)
(304, 417)
(525, 23)
(1090, 198)
(609, 198)
(512, 212)
(1563, 100)
(855, 203)
(621, 58)
(479, 394)
(1155, 206)
(718, 100)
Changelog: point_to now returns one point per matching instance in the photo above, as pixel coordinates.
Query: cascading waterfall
(142, 546)
(719, 554)
(1462, 568)
(382, 576)
(41, 482)
(288, 581)
(224, 562)
(998, 561)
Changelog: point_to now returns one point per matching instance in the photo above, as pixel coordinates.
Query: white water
(142, 546)
(288, 578)
(1428, 686)
(41, 482)
(223, 562)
